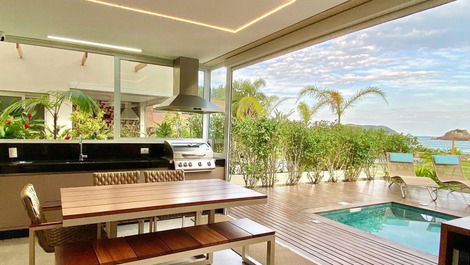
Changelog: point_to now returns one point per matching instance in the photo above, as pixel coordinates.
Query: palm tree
(248, 106)
(248, 100)
(306, 112)
(337, 101)
(246, 88)
(53, 102)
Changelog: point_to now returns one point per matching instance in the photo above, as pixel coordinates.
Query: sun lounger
(449, 171)
(402, 172)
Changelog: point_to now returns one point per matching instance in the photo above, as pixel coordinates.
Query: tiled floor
(290, 210)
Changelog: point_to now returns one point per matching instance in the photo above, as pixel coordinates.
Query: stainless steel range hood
(185, 87)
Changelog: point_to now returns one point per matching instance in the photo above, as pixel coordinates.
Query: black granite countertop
(63, 157)
(38, 166)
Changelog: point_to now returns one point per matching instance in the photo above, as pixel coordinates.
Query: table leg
(111, 229)
(99, 227)
(210, 220)
(246, 254)
(32, 245)
(140, 227)
(198, 217)
(270, 257)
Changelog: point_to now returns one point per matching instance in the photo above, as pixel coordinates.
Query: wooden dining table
(100, 204)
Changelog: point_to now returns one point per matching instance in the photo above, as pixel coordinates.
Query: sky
(421, 62)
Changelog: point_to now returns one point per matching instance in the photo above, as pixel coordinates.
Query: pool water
(413, 227)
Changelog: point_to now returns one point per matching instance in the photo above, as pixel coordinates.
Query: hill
(375, 127)
(457, 134)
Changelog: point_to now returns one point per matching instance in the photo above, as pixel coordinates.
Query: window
(37, 87)
(49, 93)
(143, 86)
(217, 120)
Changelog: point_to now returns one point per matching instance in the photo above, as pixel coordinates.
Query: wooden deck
(291, 209)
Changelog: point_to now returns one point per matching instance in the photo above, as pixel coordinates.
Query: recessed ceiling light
(92, 43)
(190, 21)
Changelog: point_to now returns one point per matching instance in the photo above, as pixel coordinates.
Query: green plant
(256, 149)
(52, 103)
(130, 130)
(336, 100)
(195, 126)
(178, 125)
(426, 171)
(163, 130)
(89, 125)
(216, 131)
(21, 126)
(294, 145)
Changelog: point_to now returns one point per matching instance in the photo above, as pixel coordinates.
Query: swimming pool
(410, 226)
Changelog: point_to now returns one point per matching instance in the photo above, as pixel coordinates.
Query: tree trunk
(339, 118)
(55, 130)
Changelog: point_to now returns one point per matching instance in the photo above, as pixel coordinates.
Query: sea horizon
(443, 145)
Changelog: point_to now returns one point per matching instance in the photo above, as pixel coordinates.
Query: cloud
(425, 55)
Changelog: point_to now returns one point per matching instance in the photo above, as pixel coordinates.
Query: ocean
(427, 141)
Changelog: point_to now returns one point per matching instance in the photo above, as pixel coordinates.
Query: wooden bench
(170, 245)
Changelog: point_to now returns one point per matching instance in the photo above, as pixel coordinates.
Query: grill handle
(193, 155)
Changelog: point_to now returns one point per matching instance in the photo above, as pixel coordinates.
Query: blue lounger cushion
(446, 160)
(401, 157)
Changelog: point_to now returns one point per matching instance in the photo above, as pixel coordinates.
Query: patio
(134, 126)
(290, 210)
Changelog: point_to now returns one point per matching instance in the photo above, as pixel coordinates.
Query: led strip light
(194, 22)
(92, 43)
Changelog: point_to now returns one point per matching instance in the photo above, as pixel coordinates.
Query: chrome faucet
(81, 157)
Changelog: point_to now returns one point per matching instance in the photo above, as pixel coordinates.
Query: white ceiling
(155, 35)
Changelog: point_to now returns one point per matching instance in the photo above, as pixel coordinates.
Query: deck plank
(290, 210)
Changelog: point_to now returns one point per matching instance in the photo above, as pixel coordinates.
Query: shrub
(178, 125)
(90, 126)
(21, 126)
(255, 149)
(258, 144)
(426, 171)
(216, 131)
(294, 142)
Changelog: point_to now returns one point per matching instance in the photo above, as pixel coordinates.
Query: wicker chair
(118, 178)
(166, 176)
(50, 238)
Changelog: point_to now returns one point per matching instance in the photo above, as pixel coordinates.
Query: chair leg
(432, 192)
(182, 221)
(403, 189)
(155, 224)
(270, 257)
(32, 246)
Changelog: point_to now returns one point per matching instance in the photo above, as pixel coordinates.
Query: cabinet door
(47, 186)
(217, 173)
